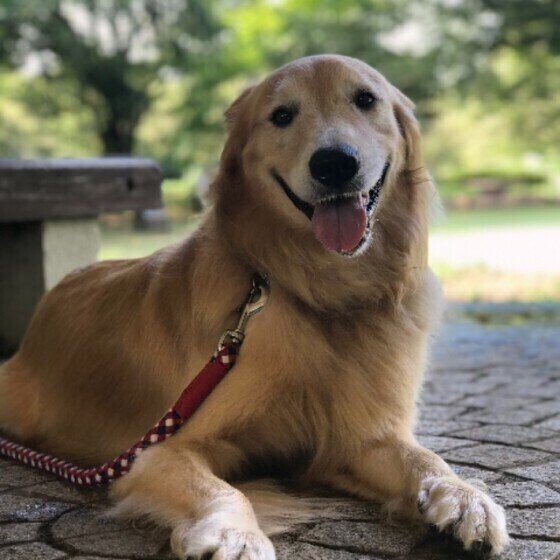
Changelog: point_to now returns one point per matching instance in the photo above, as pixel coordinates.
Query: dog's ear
(403, 108)
(238, 132)
(413, 169)
(232, 113)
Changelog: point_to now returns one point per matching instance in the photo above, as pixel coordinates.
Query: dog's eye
(282, 116)
(364, 99)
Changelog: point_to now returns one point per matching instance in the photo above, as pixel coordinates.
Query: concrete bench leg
(34, 256)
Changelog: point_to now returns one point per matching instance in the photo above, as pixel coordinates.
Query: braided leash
(190, 400)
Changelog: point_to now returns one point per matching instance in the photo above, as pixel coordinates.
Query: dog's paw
(205, 541)
(474, 518)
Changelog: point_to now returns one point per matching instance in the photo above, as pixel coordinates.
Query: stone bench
(48, 224)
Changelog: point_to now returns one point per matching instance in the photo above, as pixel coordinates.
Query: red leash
(187, 404)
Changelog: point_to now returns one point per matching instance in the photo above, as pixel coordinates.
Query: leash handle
(186, 405)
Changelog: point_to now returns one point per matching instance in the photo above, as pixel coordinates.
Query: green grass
(479, 283)
(455, 221)
(125, 243)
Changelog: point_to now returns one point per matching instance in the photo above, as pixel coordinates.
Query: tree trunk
(118, 137)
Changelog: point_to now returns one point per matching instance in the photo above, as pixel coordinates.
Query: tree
(114, 50)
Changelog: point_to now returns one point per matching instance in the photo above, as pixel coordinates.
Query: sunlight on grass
(125, 243)
(498, 218)
(479, 283)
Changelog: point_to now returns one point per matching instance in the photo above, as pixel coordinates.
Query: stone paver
(524, 494)
(497, 456)
(510, 435)
(15, 533)
(491, 407)
(542, 522)
(365, 538)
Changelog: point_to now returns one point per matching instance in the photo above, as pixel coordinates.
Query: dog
(323, 189)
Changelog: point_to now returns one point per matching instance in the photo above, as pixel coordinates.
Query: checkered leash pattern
(191, 398)
(189, 401)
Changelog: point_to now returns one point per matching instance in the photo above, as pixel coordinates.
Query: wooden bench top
(32, 190)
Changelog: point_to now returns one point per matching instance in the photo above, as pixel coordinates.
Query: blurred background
(83, 78)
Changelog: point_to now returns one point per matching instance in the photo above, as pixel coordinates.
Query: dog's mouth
(342, 223)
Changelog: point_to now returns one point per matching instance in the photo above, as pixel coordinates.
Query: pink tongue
(340, 225)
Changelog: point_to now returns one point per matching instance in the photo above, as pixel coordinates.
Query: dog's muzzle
(341, 222)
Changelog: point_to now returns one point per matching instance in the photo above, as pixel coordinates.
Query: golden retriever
(322, 188)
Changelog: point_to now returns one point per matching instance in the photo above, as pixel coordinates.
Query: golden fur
(328, 378)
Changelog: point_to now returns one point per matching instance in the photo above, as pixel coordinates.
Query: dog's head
(317, 140)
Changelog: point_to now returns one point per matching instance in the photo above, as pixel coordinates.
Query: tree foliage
(155, 75)
(113, 49)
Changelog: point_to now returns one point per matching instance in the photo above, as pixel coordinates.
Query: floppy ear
(415, 173)
(238, 132)
(403, 109)
(232, 112)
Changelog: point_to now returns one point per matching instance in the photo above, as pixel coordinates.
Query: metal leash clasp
(253, 304)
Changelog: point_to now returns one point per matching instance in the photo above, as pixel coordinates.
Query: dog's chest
(314, 387)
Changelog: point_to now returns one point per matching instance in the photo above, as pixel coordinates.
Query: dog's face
(319, 137)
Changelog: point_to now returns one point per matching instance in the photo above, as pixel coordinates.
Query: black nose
(334, 166)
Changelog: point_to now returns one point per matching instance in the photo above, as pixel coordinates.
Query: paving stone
(32, 551)
(523, 494)
(365, 537)
(439, 444)
(550, 424)
(552, 444)
(125, 544)
(473, 473)
(495, 402)
(85, 521)
(542, 391)
(547, 473)
(4, 462)
(87, 532)
(15, 476)
(549, 407)
(542, 522)
(98, 558)
(485, 384)
(438, 428)
(531, 550)
(511, 435)
(22, 508)
(305, 551)
(356, 510)
(19, 533)
(452, 380)
(90, 558)
(497, 456)
(438, 547)
(515, 417)
(443, 395)
(65, 491)
(441, 413)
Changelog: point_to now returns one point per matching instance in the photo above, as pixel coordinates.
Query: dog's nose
(334, 166)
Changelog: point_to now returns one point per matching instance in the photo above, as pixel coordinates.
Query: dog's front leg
(179, 485)
(404, 472)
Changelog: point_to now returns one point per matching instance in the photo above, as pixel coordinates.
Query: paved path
(492, 409)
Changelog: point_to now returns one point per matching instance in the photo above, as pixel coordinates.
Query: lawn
(470, 220)
(120, 241)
